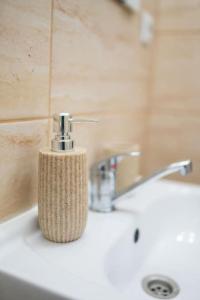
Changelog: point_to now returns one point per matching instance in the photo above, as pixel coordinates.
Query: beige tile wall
(25, 28)
(174, 103)
(24, 58)
(18, 163)
(78, 56)
(75, 56)
(179, 15)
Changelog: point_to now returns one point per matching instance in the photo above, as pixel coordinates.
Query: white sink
(106, 263)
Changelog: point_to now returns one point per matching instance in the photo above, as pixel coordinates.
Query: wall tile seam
(138, 111)
(50, 66)
(22, 120)
(175, 111)
(174, 32)
(107, 113)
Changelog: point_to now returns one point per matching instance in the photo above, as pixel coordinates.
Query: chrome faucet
(103, 192)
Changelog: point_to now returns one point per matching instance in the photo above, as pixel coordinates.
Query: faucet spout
(104, 194)
(183, 167)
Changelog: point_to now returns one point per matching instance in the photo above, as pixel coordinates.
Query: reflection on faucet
(103, 181)
(183, 167)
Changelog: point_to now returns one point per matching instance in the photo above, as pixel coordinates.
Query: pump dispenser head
(62, 127)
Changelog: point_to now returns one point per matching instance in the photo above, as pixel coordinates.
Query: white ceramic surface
(106, 264)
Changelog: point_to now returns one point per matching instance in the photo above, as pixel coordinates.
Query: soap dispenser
(62, 187)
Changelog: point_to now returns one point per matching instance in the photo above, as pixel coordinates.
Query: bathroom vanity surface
(155, 231)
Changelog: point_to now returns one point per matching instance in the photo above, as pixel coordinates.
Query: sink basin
(153, 232)
(169, 243)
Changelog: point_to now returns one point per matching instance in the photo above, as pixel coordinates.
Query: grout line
(175, 111)
(150, 90)
(28, 119)
(137, 112)
(50, 67)
(185, 32)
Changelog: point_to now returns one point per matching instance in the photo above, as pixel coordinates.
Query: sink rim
(13, 231)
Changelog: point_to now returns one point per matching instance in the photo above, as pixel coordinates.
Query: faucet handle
(110, 163)
(122, 155)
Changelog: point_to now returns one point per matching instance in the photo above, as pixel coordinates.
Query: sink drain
(160, 286)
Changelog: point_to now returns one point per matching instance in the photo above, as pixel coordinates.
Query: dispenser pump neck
(62, 127)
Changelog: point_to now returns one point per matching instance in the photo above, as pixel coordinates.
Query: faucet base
(102, 209)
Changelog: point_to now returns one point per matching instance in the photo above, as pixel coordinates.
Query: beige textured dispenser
(62, 190)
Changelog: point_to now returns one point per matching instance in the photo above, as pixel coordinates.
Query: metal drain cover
(160, 286)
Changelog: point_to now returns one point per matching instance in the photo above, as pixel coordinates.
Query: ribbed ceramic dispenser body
(62, 194)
